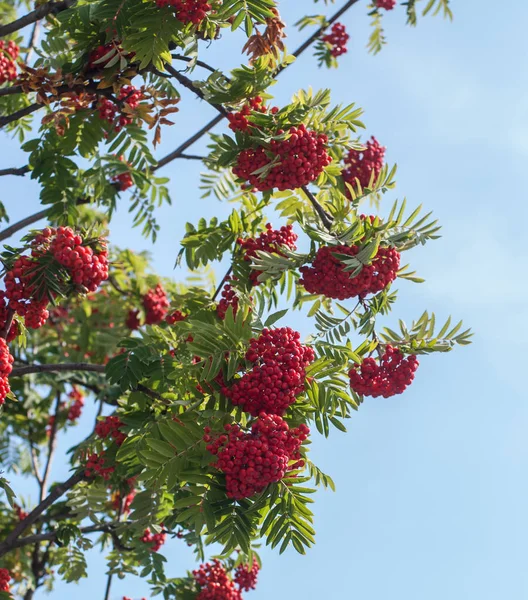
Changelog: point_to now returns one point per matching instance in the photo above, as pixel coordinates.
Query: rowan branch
(187, 83)
(206, 128)
(12, 229)
(200, 63)
(33, 516)
(20, 171)
(20, 371)
(52, 445)
(36, 15)
(19, 114)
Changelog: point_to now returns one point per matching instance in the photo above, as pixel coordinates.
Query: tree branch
(20, 371)
(51, 449)
(12, 229)
(23, 112)
(36, 15)
(200, 63)
(21, 171)
(33, 516)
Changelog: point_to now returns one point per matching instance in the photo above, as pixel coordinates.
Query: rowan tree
(206, 399)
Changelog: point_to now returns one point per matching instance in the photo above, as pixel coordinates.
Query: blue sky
(432, 484)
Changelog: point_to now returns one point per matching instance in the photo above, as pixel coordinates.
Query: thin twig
(8, 322)
(19, 114)
(33, 41)
(200, 63)
(52, 445)
(221, 284)
(326, 218)
(187, 83)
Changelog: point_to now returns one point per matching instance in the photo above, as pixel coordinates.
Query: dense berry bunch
(5, 576)
(228, 298)
(95, 465)
(6, 366)
(215, 583)
(362, 164)
(238, 120)
(387, 378)
(156, 305)
(132, 320)
(338, 39)
(14, 330)
(269, 241)
(87, 268)
(77, 404)
(156, 540)
(327, 275)
(8, 54)
(123, 180)
(97, 54)
(299, 160)
(246, 576)
(251, 461)
(278, 374)
(129, 96)
(188, 11)
(110, 427)
(386, 4)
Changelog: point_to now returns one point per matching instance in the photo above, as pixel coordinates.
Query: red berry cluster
(214, 582)
(386, 4)
(278, 374)
(246, 576)
(156, 305)
(337, 39)
(155, 539)
(128, 96)
(228, 298)
(5, 577)
(98, 54)
(269, 241)
(6, 366)
(14, 330)
(387, 378)
(298, 160)
(8, 54)
(95, 465)
(110, 427)
(75, 408)
(361, 164)
(88, 268)
(251, 461)
(327, 275)
(238, 120)
(175, 317)
(188, 11)
(132, 320)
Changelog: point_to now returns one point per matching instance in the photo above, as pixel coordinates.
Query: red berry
(361, 164)
(5, 576)
(188, 11)
(215, 583)
(110, 427)
(8, 54)
(246, 576)
(156, 305)
(386, 4)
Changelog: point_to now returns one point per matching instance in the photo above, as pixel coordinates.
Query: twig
(52, 444)
(326, 219)
(33, 516)
(20, 371)
(221, 284)
(187, 83)
(8, 322)
(36, 15)
(33, 41)
(200, 63)
(19, 114)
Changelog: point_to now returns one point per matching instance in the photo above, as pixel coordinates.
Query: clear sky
(432, 486)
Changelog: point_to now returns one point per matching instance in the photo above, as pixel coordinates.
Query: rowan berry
(215, 583)
(362, 164)
(5, 577)
(188, 11)
(9, 52)
(156, 305)
(156, 540)
(386, 4)
(246, 576)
